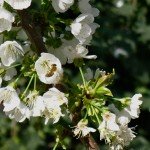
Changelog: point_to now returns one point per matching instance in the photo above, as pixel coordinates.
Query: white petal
(19, 4)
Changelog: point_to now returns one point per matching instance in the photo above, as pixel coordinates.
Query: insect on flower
(51, 71)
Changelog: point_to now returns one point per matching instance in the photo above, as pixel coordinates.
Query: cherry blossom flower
(52, 110)
(123, 117)
(48, 68)
(55, 95)
(82, 130)
(6, 20)
(83, 27)
(134, 108)
(77, 52)
(85, 7)
(108, 126)
(19, 4)
(9, 97)
(71, 50)
(35, 103)
(123, 138)
(109, 119)
(10, 52)
(19, 113)
(62, 5)
(9, 73)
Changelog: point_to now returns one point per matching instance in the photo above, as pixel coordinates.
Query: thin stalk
(13, 66)
(14, 82)
(85, 115)
(96, 114)
(18, 78)
(28, 86)
(54, 148)
(83, 79)
(35, 77)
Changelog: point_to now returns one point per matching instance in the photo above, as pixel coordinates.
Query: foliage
(122, 43)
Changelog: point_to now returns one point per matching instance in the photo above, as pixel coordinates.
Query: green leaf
(103, 91)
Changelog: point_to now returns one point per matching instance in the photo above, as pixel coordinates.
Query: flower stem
(96, 114)
(83, 79)
(28, 86)
(86, 115)
(13, 66)
(35, 77)
(14, 82)
(18, 78)
(54, 148)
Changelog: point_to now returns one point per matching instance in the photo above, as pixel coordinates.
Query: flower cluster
(47, 105)
(31, 84)
(112, 119)
(114, 128)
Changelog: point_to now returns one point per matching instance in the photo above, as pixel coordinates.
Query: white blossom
(48, 68)
(59, 53)
(35, 103)
(6, 74)
(132, 111)
(81, 129)
(10, 73)
(71, 50)
(83, 27)
(109, 119)
(122, 139)
(134, 107)
(52, 110)
(123, 117)
(10, 52)
(77, 52)
(19, 113)
(55, 95)
(6, 20)
(9, 97)
(19, 4)
(108, 127)
(85, 7)
(62, 5)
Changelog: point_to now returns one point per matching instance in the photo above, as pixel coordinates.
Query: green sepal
(101, 91)
(105, 80)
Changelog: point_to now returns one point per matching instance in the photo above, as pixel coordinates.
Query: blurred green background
(122, 42)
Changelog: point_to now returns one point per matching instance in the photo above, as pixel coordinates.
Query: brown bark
(91, 143)
(32, 31)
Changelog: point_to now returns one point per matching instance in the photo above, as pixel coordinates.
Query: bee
(52, 70)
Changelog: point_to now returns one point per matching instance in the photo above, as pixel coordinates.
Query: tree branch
(32, 31)
(91, 143)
